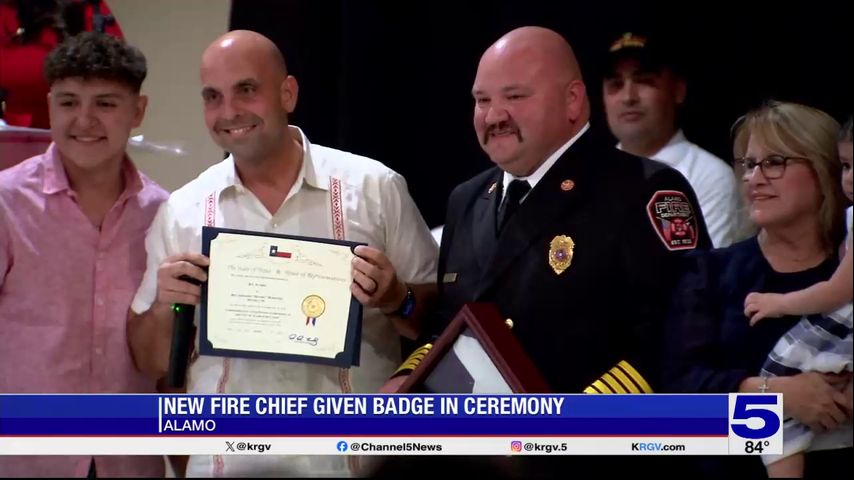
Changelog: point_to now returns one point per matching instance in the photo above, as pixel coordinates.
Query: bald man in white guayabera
(276, 181)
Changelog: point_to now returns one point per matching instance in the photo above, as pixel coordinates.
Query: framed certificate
(279, 297)
(477, 353)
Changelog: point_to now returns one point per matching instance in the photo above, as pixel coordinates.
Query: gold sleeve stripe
(411, 365)
(612, 382)
(624, 380)
(635, 376)
(414, 359)
(591, 389)
(602, 387)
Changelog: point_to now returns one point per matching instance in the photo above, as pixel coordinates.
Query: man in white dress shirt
(642, 90)
(276, 181)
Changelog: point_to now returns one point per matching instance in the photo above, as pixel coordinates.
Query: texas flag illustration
(274, 252)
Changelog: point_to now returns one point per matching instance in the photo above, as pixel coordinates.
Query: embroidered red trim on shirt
(338, 233)
(219, 462)
(210, 210)
(210, 221)
(353, 462)
(337, 210)
(219, 466)
(344, 380)
(226, 369)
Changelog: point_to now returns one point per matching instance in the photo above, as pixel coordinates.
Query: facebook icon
(342, 446)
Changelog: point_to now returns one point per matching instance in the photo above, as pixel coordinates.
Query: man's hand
(150, 332)
(375, 283)
(763, 305)
(170, 289)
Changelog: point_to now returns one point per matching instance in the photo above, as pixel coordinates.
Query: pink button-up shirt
(65, 289)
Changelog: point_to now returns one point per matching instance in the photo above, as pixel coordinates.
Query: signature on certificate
(303, 339)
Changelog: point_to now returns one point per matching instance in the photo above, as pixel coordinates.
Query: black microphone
(182, 339)
(2, 103)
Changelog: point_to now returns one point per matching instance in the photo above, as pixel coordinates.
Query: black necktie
(515, 192)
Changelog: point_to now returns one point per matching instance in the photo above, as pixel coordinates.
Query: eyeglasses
(772, 166)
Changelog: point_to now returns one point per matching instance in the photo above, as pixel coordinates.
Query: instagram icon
(516, 446)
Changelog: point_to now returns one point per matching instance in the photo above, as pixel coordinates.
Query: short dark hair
(96, 55)
(845, 134)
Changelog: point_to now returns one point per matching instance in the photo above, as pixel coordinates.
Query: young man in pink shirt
(72, 246)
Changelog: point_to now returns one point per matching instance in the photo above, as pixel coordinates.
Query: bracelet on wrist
(407, 306)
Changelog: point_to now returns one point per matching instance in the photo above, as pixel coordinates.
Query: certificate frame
(352, 344)
(495, 336)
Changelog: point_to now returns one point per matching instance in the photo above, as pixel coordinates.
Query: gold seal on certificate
(313, 306)
(266, 293)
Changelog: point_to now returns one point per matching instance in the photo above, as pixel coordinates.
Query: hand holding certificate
(279, 297)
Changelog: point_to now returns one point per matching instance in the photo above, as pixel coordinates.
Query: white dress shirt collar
(540, 172)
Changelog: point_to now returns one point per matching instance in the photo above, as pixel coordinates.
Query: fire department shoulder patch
(672, 218)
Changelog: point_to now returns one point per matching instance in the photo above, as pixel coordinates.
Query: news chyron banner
(734, 424)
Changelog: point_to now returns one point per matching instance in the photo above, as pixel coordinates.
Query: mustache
(237, 122)
(504, 125)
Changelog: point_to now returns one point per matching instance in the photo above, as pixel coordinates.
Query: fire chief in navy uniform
(575, 241)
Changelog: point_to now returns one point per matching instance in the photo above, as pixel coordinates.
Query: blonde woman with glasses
(787, 157)
(820, 343)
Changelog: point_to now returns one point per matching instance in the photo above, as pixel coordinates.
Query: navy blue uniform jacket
(609, 304)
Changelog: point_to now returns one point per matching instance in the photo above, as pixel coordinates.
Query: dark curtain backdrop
(392, 79)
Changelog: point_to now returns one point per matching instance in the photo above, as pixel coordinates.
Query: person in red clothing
(29, 30)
